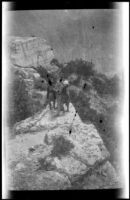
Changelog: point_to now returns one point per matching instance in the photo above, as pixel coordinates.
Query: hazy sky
(88, 34)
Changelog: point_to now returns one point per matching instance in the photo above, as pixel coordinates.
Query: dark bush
(41, 71)
(109, 86)
(55, 61)
(40, 84)
(80, 67)
(104, 123)
(19, 107)
(21, 104)
(61, 147)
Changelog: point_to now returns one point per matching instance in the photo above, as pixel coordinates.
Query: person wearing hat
(58, 88)
(66, 82)
(65, 94)
(61, 95)
(51, 93)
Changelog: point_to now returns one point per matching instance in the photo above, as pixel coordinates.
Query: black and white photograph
(63, 97)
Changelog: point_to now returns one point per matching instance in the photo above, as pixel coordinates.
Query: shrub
(61, 147)
(104, 122)
(40, 84)
(18, 105)
(41, 71)
(79, 67)
(110, 86)
(55, 61)
(21, 103)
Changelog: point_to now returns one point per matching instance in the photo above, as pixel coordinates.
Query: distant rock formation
(55, 159)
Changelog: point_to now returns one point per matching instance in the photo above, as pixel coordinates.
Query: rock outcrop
(51, 157)
(27, 51)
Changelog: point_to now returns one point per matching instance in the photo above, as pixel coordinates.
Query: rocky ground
(45, 155)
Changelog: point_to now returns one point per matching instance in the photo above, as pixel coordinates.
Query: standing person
(59, 90)
(65, 94)
(51, 94)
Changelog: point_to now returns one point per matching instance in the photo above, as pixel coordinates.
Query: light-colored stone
(20, 166)
(70, 166)
(86, 153)
(52, 180)
(85, 138)
(41, 180)
(103, 177)
(27, 51)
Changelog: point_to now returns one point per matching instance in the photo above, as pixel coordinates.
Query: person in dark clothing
(58, 89)
(65, 95)
(62, 96)
(51, 93)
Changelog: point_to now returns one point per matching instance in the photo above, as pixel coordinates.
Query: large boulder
(104, 177)
(49, 180)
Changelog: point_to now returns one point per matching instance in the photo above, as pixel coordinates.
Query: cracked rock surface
(45, 156)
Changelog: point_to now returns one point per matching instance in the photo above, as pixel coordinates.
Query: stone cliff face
(27, 51)
(48, 157)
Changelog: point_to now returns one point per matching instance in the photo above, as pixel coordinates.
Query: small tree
(55, 61)
(41, 71)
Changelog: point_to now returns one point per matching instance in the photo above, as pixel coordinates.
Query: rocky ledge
(45, 155)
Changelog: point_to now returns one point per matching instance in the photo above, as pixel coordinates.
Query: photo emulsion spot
(63, 98)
